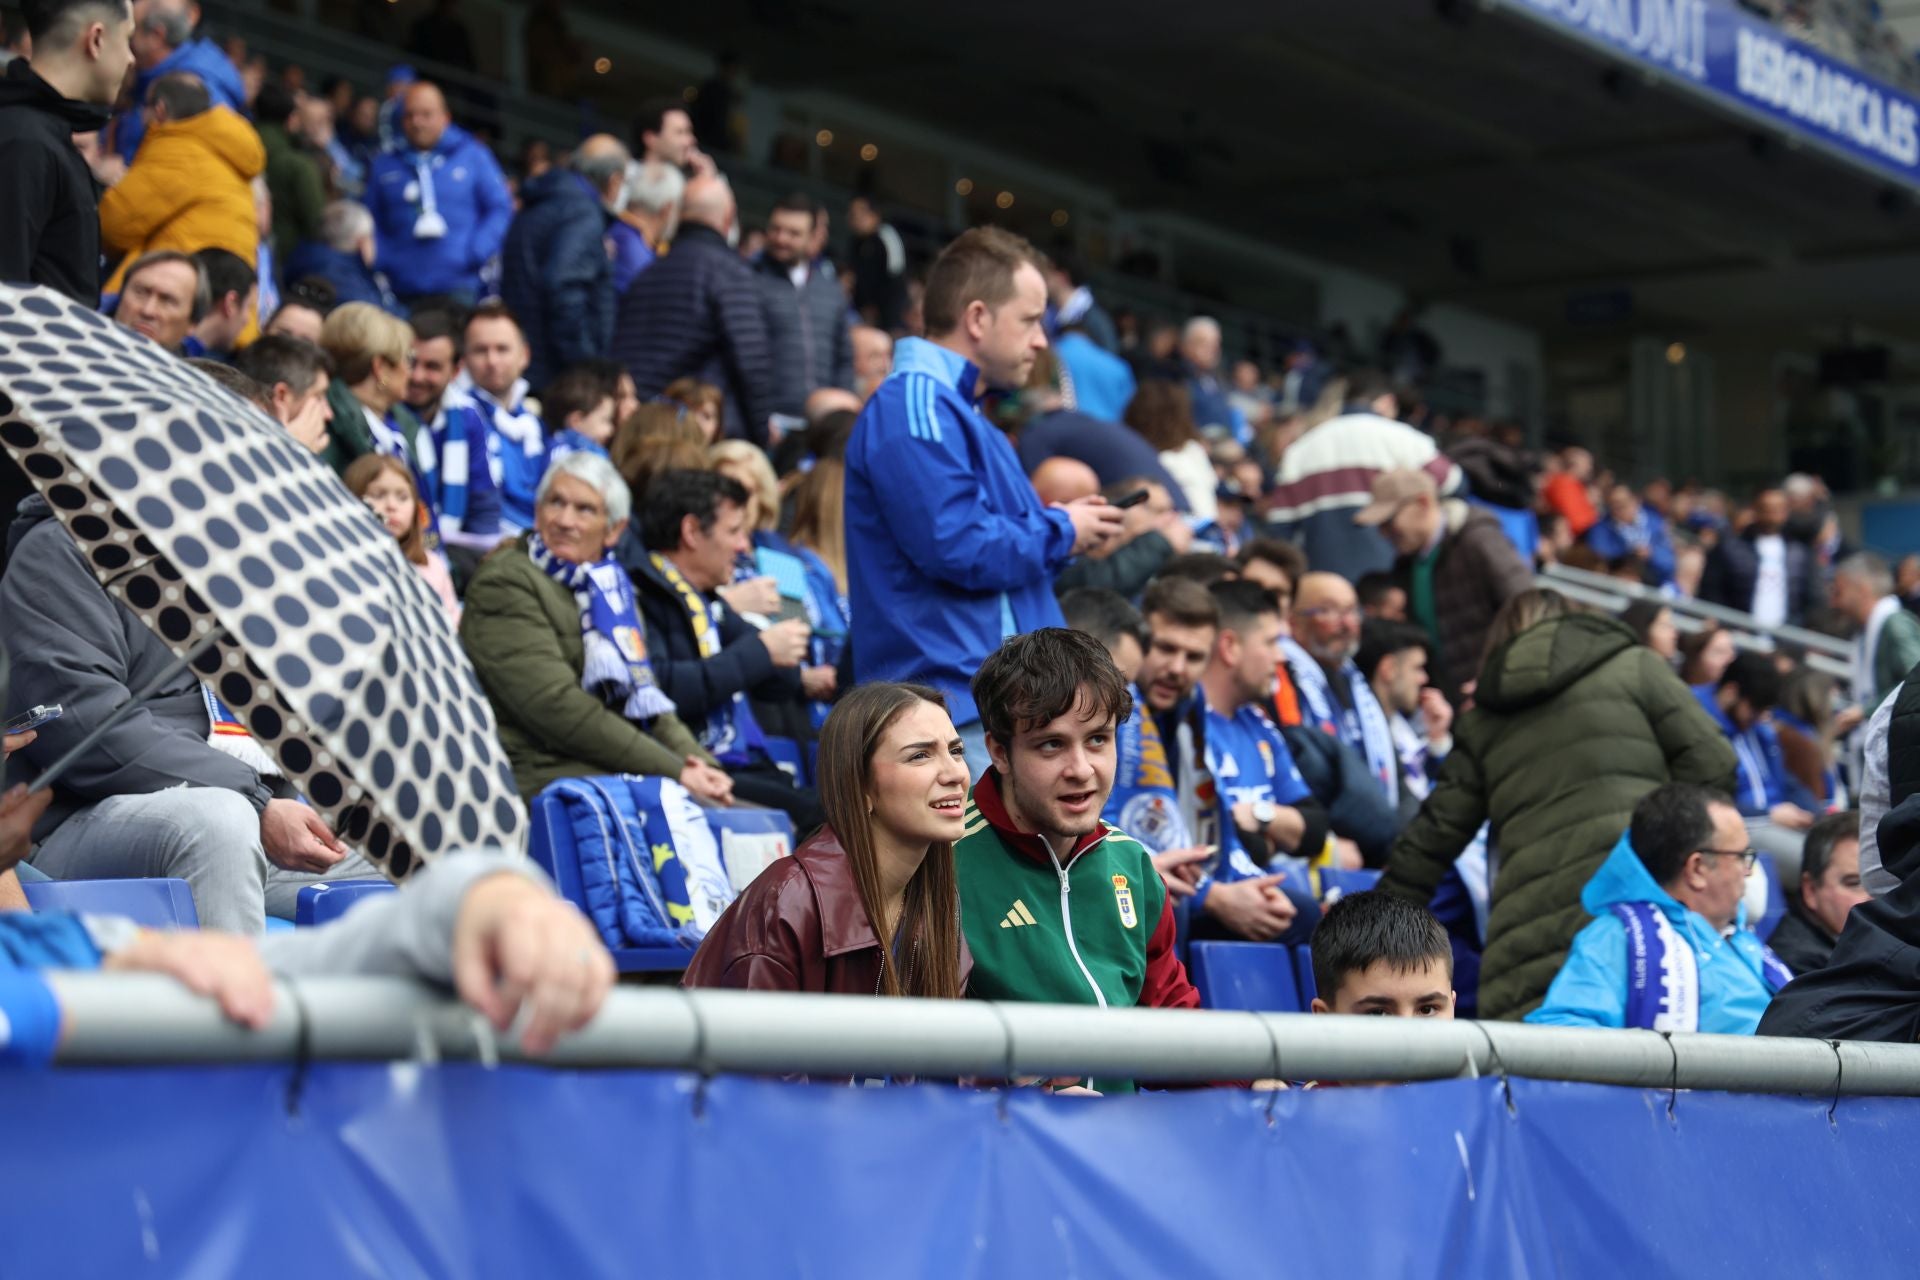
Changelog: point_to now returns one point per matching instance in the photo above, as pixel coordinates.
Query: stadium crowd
(1009, 603)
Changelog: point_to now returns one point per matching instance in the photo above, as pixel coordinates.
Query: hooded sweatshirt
(49, 226)
(1591, 988)
(189, 189)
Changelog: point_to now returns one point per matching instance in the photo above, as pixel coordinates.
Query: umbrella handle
(124, 710)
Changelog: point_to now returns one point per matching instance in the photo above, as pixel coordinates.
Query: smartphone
(35, 718)
(1134, 499)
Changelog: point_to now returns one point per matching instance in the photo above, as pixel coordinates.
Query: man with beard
(470, 504)
(1334, 694)
(1059, 906)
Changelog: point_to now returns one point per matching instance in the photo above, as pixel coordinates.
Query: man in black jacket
(697, 313)
(681, 549)
(1762, 571)
(1829, 890)
(806, 312)
(49, 216)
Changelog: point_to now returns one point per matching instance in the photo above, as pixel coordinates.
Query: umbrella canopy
(205, 518)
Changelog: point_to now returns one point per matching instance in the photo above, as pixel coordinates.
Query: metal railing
(1824, 652)
(133, 1018)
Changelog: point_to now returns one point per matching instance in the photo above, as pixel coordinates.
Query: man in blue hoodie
(1669, 948)
(440, 204)
(949, 551)
(163, 43)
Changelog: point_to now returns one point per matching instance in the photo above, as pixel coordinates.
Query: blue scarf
(1144, 802)
(1364, 727)
(1663, 974)
(616, 671)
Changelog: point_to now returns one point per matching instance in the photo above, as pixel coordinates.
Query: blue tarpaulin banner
(457, 1170)
(1753, 69)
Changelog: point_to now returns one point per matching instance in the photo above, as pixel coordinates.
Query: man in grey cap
(1455, 564)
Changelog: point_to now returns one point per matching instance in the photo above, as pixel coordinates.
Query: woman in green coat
(1573, 722)
(552, 630)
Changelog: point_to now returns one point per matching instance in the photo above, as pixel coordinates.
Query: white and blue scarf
(1663, 974)
(616, 670)
(1364, 727)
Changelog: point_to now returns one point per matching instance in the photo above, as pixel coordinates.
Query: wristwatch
(1264, 812)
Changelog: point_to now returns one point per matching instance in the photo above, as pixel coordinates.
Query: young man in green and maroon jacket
(1057, 905)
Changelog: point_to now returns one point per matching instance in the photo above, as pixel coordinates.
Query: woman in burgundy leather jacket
(893, 780)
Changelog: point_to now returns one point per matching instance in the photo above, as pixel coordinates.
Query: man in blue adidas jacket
(440, 204)
(949, 551)
(1778, 807)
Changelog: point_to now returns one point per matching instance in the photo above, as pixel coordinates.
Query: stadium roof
(1468, 156)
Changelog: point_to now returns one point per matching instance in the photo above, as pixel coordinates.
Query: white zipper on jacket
(1066, 920)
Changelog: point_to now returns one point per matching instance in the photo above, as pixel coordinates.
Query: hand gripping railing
(133, 1018)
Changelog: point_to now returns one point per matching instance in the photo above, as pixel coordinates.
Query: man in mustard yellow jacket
(190, 185)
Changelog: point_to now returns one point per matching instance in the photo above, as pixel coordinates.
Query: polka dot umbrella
(213, 525)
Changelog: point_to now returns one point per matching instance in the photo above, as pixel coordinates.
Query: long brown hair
(1162, 413)
(369, 467)
(930, 907)
(819, 516)
(1522, 610)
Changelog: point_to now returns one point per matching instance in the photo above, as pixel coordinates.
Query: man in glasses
(1334, 695)
(1669, 948)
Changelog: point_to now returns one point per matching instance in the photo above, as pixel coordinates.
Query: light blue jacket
(1591, 987)
(948, 549)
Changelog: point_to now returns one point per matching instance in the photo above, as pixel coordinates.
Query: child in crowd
(1381, 956)
(386, 485)
(704, 403)
(579, 410)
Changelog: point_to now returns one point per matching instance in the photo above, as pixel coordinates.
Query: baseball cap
(1391, 491)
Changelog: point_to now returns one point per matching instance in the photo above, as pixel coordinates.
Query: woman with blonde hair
(372, 354)
(870, 905)
(1573, 722)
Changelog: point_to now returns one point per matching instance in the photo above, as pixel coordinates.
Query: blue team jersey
(1250, 761)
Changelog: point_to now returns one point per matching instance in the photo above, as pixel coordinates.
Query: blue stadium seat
(157, 904)
(1253, 976)
(787, 753)
(319, 903)
(1303, 974)
(552, 849)
(1334, 882)
(1521, 527)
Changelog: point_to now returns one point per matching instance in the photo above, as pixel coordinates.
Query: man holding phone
(949, 551)
(161, 794)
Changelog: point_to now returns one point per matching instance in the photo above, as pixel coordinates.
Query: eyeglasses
(1748, 857)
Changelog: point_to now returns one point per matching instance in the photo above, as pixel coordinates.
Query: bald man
(440, 204)
(872, 358)
(697, 312)
(1063, 480)
(1334, 694)
(555, 274)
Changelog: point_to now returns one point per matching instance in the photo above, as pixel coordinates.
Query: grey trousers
(208, 837)
(1784, 846)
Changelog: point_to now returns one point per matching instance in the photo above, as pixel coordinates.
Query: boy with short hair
(1382, 956)
(578, 407)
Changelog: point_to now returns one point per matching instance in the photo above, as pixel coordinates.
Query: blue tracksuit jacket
(948, 549)
(469, 191)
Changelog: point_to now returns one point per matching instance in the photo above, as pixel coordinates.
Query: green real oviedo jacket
(1093, 927)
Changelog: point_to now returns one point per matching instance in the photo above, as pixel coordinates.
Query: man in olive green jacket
(1574, 721)
(522, 631)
